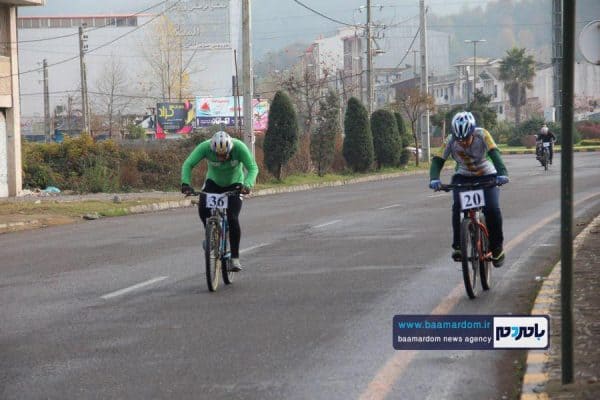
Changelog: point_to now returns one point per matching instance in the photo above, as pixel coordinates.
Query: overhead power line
(337, 21)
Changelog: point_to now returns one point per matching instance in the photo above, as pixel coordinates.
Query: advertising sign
(221, 110)
(174, 119)
(202, 24)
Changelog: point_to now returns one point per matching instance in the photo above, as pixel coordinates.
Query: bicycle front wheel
(485, 269)
(226, 261)
(470, 259)
(211, 254)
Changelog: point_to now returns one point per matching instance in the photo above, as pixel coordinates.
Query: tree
(358, 142)
(168, 72)
(517, 72)
(306, 89)
(404, 137)
(413, 104)
(322, 143)
(113, 81)
(386, 138)
(485, 116)
(281, 138)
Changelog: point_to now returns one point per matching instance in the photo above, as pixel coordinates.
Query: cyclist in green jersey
(478, 160)
(227, 157)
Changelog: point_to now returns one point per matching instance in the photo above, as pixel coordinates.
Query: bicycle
(544, 156)
(475, 250)
(217, 252)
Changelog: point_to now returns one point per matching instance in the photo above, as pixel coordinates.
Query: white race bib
(472, 199)
(214, 200)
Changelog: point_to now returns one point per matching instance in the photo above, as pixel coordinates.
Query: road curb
(535, 380)
(168, 205)
(19, 224)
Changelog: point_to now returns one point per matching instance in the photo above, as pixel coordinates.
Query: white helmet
(544, 129)
(221, 143)
(463, 125)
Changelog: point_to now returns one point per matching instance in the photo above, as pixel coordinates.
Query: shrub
(281, 138)
(387, 143)
(358, 142)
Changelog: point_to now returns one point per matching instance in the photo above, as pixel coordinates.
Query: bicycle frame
(473, 215)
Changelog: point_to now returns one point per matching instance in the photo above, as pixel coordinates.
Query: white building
(210, 36)
(10, 133)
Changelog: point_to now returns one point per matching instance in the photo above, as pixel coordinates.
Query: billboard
(221, 110)
(174, 119)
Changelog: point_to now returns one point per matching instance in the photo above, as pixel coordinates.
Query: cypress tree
(404, 138)
(358, 143)
(322, 143)
(281, 138)
(386, 139)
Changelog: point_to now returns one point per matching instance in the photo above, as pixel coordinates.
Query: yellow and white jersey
(472, 160)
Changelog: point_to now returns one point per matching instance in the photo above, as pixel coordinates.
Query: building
(203, 48)
(10, 124)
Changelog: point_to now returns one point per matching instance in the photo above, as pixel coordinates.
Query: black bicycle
(544, 154)
(475, 250)
(217, 252)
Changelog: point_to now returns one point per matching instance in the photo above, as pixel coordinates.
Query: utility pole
(557, 55)
(369, 61)
(47, 128)
(475, 62)
(247, 74)
(415, 66)
(84, 94)
(424, 80)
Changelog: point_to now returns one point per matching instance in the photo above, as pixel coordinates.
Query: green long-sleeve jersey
(223, 173)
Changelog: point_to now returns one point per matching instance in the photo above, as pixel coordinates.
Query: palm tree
(517, 72)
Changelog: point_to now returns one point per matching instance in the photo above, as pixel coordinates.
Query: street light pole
(475, 61)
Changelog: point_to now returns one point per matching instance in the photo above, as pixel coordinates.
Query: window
(55, 23)
(131, 21)
(121, 21)
(496, 91)
(65, 22)
(500, 110)
(87, 22)
(35, 23)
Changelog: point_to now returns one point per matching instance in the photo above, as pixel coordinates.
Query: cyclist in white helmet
(227, 157)
(477, 159)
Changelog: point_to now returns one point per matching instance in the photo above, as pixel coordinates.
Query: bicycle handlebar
(468, 186)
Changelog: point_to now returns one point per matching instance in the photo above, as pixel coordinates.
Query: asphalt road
(118, 308)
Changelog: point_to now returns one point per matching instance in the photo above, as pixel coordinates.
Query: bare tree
(109, 97)
(413, 104)
(167, 69)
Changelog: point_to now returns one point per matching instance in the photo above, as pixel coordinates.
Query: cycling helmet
(221, 143)
(544, 129)
(463, 125)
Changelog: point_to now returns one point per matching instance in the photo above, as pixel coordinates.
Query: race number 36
(216, 201)
(472, 199)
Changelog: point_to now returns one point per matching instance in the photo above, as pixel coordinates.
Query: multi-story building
(10, 131)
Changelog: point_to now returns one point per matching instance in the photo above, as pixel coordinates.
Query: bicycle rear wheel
(470, 260)
(485, 270)
(211, 254)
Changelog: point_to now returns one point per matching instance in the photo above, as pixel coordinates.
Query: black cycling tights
(233, 212)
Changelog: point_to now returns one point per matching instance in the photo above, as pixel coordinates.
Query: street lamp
(475, 61)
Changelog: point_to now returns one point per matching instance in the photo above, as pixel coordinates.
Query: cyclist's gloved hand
(435, 184)
(501, 180)
(186, 189)
(245, 190)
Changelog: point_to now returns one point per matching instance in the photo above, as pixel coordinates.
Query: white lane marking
(134, 287)
(253, 247)
(392, 206)
(437, 195)
(327, 224)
